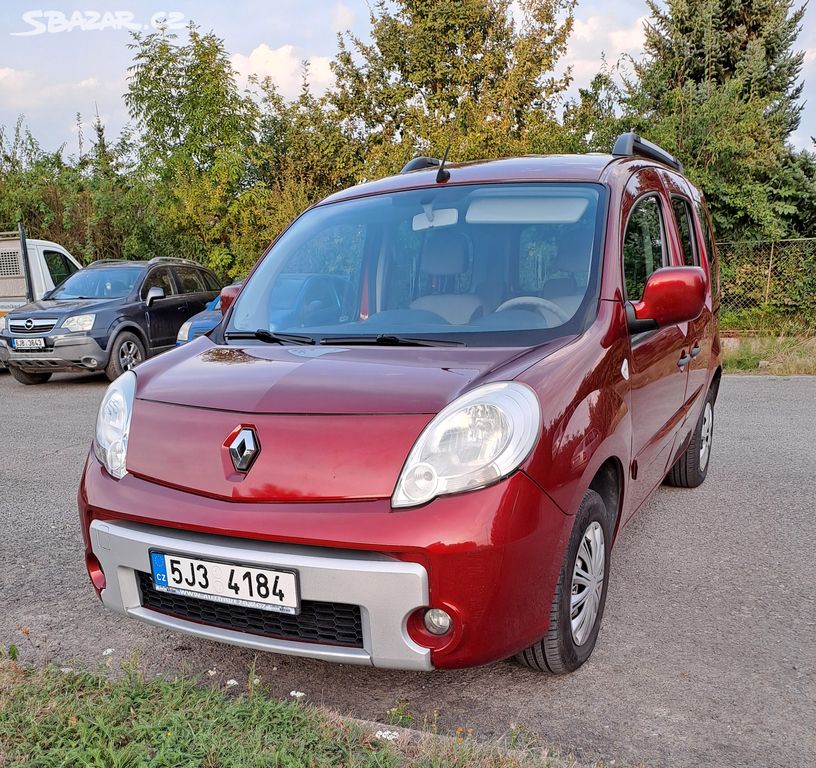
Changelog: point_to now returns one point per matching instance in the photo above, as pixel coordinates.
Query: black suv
(110, 315)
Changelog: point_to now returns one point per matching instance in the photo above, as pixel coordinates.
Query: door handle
(684, 360)
(695, 350)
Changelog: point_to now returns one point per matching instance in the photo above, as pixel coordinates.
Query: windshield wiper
(390, 340)
(270, 337)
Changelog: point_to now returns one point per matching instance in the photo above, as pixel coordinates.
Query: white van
(49, 264)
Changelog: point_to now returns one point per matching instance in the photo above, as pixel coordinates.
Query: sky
(65, 58)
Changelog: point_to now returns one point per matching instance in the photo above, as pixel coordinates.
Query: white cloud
(284, 66)
(22, 90)
(601, 34)
(342, 18)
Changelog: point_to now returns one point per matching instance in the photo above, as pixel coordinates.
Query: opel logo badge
(29, 324)
(244, 449)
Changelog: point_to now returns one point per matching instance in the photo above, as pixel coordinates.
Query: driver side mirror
(671, 295)
(228, 296)
(154, 294)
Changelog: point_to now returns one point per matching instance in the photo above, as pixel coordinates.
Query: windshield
(489, 264)
(96, 283)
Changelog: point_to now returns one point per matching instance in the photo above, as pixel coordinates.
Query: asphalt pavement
(707, 655)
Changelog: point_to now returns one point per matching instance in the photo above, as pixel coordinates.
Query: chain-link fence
(769, 286)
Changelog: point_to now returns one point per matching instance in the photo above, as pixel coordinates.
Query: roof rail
(421, 163)
(108, 261)
(629, 144)
(172, 260)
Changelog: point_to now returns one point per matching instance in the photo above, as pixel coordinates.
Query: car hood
(329, 380)
(60, 308)
(332, 423)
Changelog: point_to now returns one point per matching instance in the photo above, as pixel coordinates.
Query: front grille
(38, 325)
(317, 622)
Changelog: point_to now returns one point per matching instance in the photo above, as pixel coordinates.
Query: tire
(691, 468)
(127, 351)
(24, 377)
(565, 648)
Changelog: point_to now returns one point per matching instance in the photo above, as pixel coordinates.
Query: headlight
(478, 439)
(3, 324)
(184, 331)
(79, 322)
(113, 424)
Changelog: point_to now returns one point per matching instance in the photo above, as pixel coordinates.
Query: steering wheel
(538, 304)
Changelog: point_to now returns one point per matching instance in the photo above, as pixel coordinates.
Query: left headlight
(478, 439)
(113, 424)
(79, 322)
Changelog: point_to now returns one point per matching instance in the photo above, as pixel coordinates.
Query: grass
(780, 356)
(52, 718)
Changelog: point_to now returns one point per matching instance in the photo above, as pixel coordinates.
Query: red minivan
(420, 425)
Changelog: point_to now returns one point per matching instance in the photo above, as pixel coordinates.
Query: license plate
(264, 588)
(28, 343)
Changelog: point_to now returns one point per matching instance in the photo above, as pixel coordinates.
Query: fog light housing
(437, 621)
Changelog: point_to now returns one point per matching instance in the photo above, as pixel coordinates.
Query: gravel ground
(707, 654)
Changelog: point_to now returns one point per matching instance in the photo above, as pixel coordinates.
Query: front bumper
(490, 558)
(384, 588)
(63, 352)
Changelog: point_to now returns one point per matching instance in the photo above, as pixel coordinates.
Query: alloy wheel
(129, 355)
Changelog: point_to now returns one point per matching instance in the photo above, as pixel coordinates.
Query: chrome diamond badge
(244, 449)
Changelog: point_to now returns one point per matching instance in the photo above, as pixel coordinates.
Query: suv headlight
(113, 424)
(79, 322)
(478, 439)
(184, 331)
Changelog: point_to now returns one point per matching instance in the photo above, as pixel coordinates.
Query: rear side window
(709, 244)
(58, 266)
(159, 278)
(209, 281)
(643, 246)
(190, 280)
(683, 216)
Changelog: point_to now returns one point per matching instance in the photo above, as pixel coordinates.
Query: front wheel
(24, 377)
(691, 468)
(580, 595)
(126, 353)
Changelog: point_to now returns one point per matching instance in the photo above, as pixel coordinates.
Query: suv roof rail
(629, 144)
(107, 261)
(420, 163)
(173, 260)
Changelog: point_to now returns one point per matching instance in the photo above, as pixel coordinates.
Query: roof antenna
(442, 175)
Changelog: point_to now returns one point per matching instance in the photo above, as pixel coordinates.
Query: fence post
(770, 264)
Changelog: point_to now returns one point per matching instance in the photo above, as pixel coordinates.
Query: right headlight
(479, 438)
(113, 424)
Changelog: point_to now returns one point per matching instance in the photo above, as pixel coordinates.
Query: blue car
(201, 323)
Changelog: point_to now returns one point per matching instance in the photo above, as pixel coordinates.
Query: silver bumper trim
(387, 590)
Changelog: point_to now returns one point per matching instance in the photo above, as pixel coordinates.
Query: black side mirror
(153, 294)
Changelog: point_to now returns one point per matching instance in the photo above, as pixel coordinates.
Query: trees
(440, 70)
(719, 87)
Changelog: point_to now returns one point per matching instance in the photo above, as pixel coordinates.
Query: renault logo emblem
(244, 449)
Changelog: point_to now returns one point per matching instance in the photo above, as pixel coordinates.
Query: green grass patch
(50, 718)
(779, 356)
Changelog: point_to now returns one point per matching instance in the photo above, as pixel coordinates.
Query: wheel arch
(608, 484)
(133, 328)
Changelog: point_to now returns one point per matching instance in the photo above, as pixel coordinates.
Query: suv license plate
(28, 343)
(230, 583)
